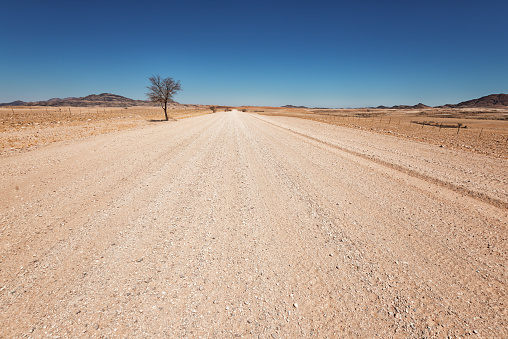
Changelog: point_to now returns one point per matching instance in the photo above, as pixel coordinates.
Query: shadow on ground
(162, 120)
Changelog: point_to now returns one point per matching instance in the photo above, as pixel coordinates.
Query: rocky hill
(104, 99)
(492, 100)
(292, 106)
(14, 103)
(418, 106)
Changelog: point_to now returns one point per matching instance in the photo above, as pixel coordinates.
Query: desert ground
(269, 223)
(28, 127)
(482, 130)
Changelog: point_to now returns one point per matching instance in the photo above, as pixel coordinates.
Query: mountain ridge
(491, 100)
(103, 99)
(114, 100)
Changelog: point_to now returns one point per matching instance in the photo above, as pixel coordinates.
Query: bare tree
(162, 90)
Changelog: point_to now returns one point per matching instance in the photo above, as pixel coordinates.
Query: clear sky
(312, 53)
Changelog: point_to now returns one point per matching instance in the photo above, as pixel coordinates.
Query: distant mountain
(492, 100)
(15, 103)
(291, 106)
(104, 99)
(419, 106)
(58, 99)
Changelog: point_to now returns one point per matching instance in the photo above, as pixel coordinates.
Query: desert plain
(256, 222)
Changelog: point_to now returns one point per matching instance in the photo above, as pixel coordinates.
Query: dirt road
(238, 225)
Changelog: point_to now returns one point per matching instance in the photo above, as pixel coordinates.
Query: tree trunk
(166, 110)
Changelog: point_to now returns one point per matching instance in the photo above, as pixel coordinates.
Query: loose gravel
(234, 224)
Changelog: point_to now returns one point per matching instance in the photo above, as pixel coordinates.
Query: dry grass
(483, 131)
(22, 128)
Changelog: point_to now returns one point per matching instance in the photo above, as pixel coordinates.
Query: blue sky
(312, 53)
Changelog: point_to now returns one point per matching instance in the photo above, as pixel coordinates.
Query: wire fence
(43, 115)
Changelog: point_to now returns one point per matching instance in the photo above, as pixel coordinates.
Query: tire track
(462, 190)
(452, 263)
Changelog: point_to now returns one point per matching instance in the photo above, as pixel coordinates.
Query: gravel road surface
(239, 225)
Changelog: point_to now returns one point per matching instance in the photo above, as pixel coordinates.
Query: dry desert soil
(242, 225)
